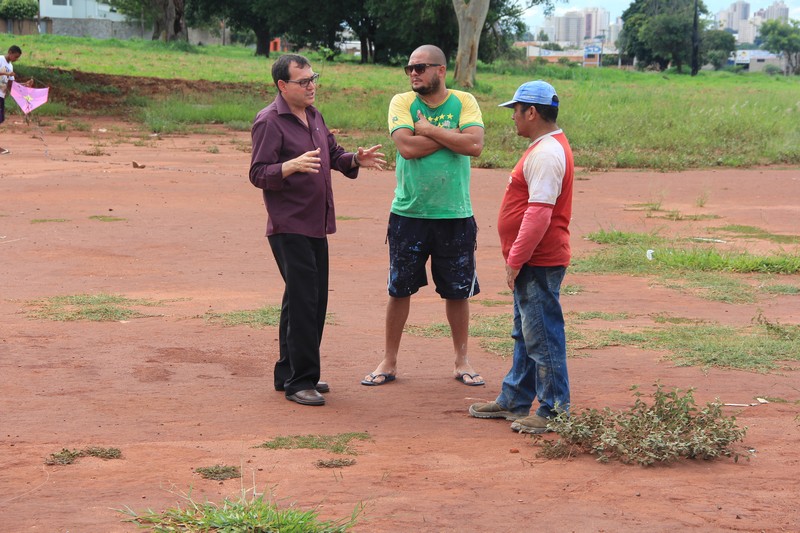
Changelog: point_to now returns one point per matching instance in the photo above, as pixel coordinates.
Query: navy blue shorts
(450, 243)
(2, 110)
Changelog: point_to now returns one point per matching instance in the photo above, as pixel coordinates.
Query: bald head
(434, 54)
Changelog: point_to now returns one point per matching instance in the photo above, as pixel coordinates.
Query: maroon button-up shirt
(302, 202)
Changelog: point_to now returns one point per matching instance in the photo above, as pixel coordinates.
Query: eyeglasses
(304, 82)
(419, 68)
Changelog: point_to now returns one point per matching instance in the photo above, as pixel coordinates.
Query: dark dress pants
(303, 264)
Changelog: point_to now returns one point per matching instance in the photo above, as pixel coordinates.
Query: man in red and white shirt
(534, 235)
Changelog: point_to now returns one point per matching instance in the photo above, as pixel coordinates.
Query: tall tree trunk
(263, 38)
(471, 15)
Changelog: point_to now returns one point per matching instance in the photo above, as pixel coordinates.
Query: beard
(432, 87)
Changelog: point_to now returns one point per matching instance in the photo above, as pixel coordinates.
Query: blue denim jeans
(539, 369)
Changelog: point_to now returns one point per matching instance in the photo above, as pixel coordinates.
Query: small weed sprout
(67, 457)
(671, 428)
(219, 472)
(334, 463)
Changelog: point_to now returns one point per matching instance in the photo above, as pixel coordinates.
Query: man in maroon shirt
(293, 154)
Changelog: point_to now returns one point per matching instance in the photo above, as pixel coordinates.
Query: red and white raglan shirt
(537, 206)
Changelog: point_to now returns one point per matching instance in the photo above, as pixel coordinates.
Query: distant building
(570, 28)
(755, 60)
(577, 27)
(78, 9)
(737, 18)
(777, 11)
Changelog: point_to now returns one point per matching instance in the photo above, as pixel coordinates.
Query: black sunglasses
(304, 82)
(419, 68)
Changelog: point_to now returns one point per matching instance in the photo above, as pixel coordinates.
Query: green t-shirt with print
(437, 185)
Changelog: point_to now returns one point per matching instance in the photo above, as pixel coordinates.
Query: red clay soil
(174, 392)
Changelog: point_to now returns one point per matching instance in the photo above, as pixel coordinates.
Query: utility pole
(695, 43)
(602, 41)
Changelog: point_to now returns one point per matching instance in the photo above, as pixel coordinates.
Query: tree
(359, 19)
(263, 17)
(716, 47)
(503, 25)
(170, 24)
(783, 38)
(664, 17)
(669, 36)
(471, 15)
(166, 16)
(403, 26)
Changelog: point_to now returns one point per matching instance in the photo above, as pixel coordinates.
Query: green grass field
(614, 119)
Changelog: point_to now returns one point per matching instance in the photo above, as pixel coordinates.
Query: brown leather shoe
(307, 397)
(322, 386)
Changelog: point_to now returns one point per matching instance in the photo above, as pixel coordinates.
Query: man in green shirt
(436, 130)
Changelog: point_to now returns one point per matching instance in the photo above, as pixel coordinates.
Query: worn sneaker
(534, 424)
(492, 410)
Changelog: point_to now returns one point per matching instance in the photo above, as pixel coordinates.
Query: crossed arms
(426, 138)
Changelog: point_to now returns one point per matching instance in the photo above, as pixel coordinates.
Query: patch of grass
(647, 206)
(334, 463)
(664, 318)
(106, 218)
(618, 238)
(68, 457)
(702, 200)
(598, 315)
(760, 347)
(90, 307)
(262, 317)
(501, 347)
(780, 289)
(712, 286)
(219, 472)
(670, 428)
(333, 443)
(480, 326)
(46, 220)
(677, 216)
(758, 233)
(79, 125)
(214, 149)
(493, 303)
(633, 259)
(245, 514)
(94, 151)
(571, 290)
(344, 217)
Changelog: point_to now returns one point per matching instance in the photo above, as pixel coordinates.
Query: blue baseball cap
(534, 92)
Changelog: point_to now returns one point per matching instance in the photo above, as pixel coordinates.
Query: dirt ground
(174, 392)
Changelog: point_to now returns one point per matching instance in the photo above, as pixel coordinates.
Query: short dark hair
(549, 113)
(14, 49)
(280, 69)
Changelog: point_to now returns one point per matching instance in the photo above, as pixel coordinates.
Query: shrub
(671, 428)
(19, 9)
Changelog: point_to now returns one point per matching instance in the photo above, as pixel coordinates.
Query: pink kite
(27, 98)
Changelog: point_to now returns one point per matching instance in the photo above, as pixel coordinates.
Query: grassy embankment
(615, 119)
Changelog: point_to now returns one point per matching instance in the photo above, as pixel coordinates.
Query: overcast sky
(534, 17)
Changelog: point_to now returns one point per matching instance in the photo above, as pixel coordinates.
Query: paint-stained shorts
(450, 243)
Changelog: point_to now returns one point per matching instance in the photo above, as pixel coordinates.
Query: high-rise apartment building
(737, 18)
(777, 11)
(578, 26)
